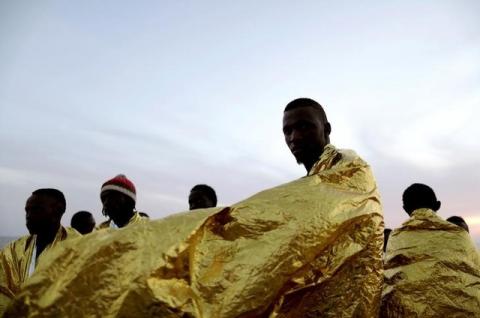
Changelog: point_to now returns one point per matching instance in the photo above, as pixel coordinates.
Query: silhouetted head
(83, 222)
(306, 130)
(44, 210)
(419, 196)
(386, 236)
(118, 197)
(202, 196)
(144, 215)
(458, 220)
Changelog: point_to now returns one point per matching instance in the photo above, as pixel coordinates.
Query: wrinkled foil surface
(15, 259)
(308, 248)
(432, 270)
(136, 218)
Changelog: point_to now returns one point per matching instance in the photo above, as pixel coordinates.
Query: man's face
(42, 214)
(305, 134)
(117, 206)
(199, 200)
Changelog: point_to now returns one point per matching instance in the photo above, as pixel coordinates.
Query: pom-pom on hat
(121, 184)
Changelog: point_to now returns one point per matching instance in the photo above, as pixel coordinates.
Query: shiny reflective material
(15, 259)
(136, 218)
(308, 248)
(432, 270)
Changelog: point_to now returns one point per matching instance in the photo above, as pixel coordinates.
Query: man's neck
(122, 223)
(43, 240)
(308, 165)
(308, 168)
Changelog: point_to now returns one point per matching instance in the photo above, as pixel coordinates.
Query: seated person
(432, 268)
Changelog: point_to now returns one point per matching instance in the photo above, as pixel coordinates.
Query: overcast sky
(175, 93)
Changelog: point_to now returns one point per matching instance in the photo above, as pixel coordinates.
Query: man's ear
(327, 129)
(60, 208)
(437, 206)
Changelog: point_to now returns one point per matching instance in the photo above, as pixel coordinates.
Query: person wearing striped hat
(118, 197)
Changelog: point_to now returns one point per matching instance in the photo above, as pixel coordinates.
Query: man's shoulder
(16, 245)
(333, 157)
(427, 219)
(426, 226)
(71, 233)
(345, 169)
(138, 219)
(104, 225)
(349, 156)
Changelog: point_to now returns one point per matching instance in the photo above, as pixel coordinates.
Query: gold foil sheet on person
(432, 270)
(15, 259)
(308, 248)
(136, 218)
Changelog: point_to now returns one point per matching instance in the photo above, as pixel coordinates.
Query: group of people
(119, 197)
(314, 247)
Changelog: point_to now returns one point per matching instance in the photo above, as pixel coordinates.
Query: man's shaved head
(419, 196)
(307, 102)
(202, 196)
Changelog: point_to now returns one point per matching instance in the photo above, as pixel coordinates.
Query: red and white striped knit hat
(121, 184)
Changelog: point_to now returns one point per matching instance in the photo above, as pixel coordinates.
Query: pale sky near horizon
(175, 93)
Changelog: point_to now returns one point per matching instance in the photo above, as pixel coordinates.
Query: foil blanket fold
(432, 269)
(308, 248)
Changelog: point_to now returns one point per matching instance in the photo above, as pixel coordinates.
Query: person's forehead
(300, 114)
(112, 193)
(35, 199)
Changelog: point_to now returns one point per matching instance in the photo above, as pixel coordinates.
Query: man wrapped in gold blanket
(308, 248)
(18, 260)
(432, 268)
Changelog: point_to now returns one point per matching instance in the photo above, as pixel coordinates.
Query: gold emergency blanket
(15, 259)
(136, 218)
(309, 248)
(432, 270)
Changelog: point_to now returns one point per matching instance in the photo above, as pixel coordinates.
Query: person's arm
(6, 293)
